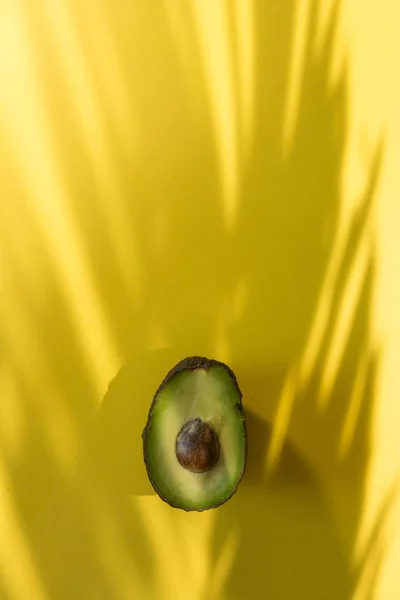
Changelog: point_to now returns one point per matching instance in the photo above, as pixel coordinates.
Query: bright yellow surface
(208, 177)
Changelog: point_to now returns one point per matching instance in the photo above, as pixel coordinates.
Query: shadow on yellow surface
(115, 241)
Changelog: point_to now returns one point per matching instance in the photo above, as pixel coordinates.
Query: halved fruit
(194, 442)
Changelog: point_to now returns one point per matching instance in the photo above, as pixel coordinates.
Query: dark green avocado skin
(190, 364)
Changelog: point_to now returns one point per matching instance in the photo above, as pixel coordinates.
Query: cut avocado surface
(194, 442)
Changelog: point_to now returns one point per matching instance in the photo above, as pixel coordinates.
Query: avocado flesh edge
(196, 387)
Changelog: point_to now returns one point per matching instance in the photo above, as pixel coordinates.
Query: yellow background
(210, 177)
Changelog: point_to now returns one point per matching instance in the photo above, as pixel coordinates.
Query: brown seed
(197, 446)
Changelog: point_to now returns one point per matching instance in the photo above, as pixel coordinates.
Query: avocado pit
(197, 446)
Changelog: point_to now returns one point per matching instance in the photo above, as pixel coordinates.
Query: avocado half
(194, 441)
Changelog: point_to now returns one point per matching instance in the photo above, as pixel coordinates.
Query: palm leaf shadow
(293, 203)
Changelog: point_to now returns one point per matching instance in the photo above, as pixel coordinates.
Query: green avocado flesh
(195, 439)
